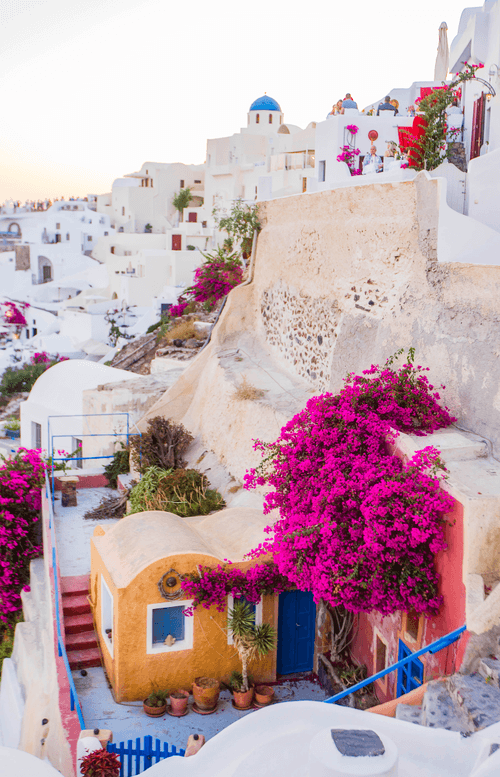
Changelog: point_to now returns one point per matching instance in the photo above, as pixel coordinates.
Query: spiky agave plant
(250, 640)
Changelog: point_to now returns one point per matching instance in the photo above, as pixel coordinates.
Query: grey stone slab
(357, 742)
(477, 701)
(438, 710)
(489, 668)
(411, 713)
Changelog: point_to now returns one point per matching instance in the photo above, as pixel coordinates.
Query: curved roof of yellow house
(138, 540)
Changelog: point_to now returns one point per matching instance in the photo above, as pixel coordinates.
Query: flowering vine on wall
(358, 526)
(21, 479)
(212, 585)
(348, 152)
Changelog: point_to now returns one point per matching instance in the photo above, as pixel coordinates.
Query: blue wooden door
(296, 621)
(411, 675)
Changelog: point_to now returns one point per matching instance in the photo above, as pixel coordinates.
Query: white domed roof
(61, 386)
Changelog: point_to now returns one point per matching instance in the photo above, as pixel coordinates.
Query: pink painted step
(75, 605)
(82, 640)
(83, 659)
(74, 624)
(75, 586)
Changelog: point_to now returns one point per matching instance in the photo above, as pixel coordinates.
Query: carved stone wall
(22, 257)
(302, 329)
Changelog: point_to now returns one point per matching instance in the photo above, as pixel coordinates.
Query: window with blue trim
(244, 600)
(168, 620)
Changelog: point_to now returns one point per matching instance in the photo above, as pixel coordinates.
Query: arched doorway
(15, 229)
(45, 270)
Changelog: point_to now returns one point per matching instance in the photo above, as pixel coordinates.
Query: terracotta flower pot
(154, 712)
(243, 699)
(206, 692)
(179, 702)
(264, 694)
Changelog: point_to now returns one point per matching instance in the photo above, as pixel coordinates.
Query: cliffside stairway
(79, 636)
(462, 702)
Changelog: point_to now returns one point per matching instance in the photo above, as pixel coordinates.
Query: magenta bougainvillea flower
(359, 526)
(21, 479)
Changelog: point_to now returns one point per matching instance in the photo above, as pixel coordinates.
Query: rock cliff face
(342, 279)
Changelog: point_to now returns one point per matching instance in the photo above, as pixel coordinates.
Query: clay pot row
(206, 695)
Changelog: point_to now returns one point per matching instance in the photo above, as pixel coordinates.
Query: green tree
(240, 225)
(250, 640)
(181, 200)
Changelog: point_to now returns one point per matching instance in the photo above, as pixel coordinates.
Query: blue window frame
(411, 675)
(252, 605)
(168, 620)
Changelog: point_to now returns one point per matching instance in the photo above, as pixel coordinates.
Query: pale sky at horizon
(92, 90)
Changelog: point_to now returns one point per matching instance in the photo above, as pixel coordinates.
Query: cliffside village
(143, 613)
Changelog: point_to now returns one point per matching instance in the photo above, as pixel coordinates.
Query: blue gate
(296, 621)
(411, 675)
(137, 758)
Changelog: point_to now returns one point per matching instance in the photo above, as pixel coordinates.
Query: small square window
(67, 235)
(58, 226)
(411, 625)
(182, 183)
(89, 238)
(166, 620)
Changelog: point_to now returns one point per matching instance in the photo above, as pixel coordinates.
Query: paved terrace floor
(73, 531)
(128, 721)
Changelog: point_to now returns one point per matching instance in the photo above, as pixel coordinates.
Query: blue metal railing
(434, 647)
(74, 701)
(125, 433)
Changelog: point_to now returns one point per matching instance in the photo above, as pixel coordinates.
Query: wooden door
(176, 242)
(296, 620)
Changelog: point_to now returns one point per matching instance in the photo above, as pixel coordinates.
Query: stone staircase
(81, 643)
(462, 702)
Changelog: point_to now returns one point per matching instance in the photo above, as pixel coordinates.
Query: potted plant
(148, 228)
(206, 693)
(250, 641)
(12, 428)
(155, 704)
(178, 703)
(100, 763)
(264, 694)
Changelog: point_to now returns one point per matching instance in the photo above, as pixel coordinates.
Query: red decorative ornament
(373, 135)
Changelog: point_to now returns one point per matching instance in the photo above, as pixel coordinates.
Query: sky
(91, 90)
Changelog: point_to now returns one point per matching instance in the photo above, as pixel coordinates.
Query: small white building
(264, 160)
(55, 406)
(478, 42)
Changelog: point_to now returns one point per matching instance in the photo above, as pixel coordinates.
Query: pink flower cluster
(352, 129)
(213, 585)
(213, 280)
(358, 526)
(12, 315)
(43, 357)
(21, 479)
(348, 155)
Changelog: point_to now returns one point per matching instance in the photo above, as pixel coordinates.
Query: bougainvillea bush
(213, 584)
(21, 479)
(12, 315)
(359, 527)
(220, 273)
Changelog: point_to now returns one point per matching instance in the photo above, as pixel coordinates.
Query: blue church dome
(265, 103)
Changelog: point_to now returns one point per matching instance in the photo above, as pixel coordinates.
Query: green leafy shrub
(118, 466)
(16, 379)
(162, 445)
(182, 492)
(13, 424)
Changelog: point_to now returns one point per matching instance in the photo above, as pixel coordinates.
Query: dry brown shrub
(245, 390)
(183, 331)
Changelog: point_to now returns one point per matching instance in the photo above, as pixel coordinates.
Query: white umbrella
(443, 54)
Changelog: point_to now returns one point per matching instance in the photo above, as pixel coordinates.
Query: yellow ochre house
(147, 640)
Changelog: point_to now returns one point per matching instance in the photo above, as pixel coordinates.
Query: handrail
(74, 701)
(434, 647)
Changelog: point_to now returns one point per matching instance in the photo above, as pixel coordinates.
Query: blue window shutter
(167, 620)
